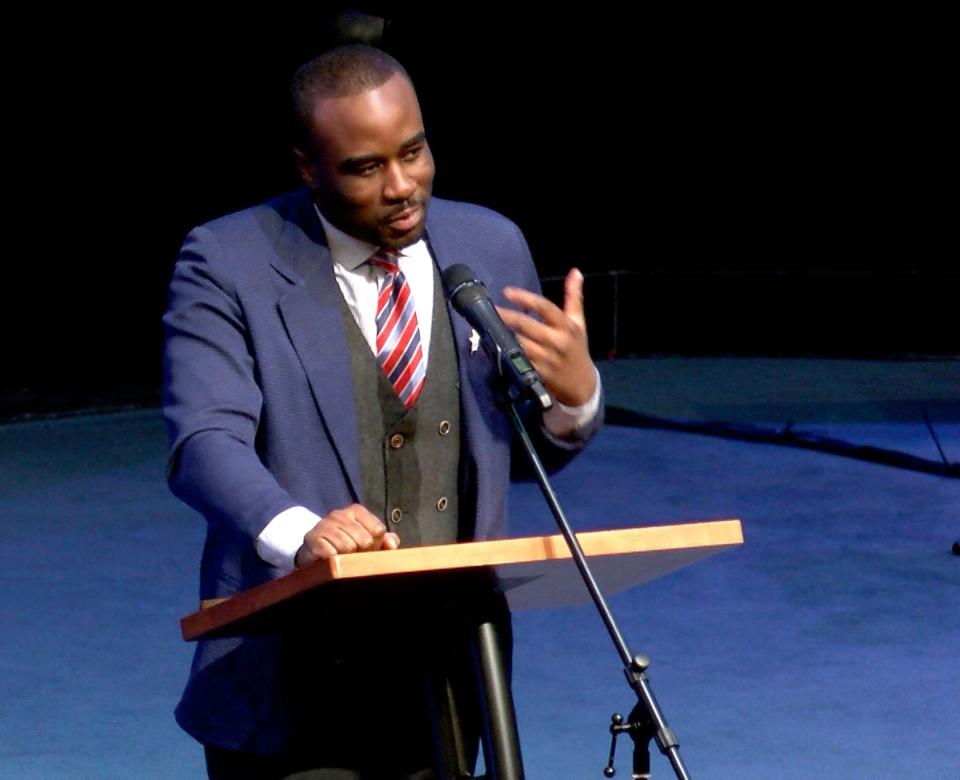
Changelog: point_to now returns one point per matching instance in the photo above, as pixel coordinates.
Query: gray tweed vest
(410, 459)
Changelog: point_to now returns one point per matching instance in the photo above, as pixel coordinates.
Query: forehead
(375, 121)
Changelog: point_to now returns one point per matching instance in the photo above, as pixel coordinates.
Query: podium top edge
(650, 539)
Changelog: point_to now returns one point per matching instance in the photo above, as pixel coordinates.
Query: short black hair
(344, 70)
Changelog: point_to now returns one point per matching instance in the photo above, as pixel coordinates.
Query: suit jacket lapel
(443, 246)
(312, 314)
(477, 402)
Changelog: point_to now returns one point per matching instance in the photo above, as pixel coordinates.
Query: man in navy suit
(288, 439)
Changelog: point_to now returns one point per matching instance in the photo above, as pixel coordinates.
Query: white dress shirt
(359, 281)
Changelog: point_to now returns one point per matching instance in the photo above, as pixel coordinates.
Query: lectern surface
(532, 571)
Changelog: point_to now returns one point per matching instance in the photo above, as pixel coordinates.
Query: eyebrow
(358, 162)
(419, 138)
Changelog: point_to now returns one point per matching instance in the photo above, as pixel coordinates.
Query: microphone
(469, 297)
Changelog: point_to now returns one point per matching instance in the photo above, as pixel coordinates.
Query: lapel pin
(474, 341)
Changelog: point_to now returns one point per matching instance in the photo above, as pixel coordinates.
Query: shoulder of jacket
(455, 210)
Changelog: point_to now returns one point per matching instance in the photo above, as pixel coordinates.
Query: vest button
(444, 427)
(396, 441)
(396, 516)
(442, 504)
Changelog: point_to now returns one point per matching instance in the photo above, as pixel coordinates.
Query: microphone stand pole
(646, 720)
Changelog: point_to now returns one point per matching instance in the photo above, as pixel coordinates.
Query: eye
(411, 154)
(367, 169)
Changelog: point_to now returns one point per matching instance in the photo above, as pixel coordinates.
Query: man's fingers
(544, 308)
(359, 522)
(346, 536)
(343, 541)
(367, 520)
(314, 548)
(350, 529)
(524, 325)
(390, 541)
(347, 530)
(546, 345)
(327, 547)
(573, 297)
(549, 312)
(555, 339)
(327, 540)
(538, 355)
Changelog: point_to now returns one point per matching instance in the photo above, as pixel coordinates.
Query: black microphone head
(462, 286)
(456, 275)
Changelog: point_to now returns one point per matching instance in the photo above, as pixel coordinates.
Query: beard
(390, 238)
(377, 231)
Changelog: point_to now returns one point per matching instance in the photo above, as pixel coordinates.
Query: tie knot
(387, 260)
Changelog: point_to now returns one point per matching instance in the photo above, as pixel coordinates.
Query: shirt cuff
(566, 422)
(279, 542)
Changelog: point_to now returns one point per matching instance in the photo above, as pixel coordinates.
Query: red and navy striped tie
(399, 351)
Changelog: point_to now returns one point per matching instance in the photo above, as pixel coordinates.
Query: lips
(406, 219)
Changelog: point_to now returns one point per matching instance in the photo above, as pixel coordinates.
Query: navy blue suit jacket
(259, 406)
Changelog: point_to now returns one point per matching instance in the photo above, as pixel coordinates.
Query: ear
(307, 168)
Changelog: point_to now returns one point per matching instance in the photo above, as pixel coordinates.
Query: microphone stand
(646, 721)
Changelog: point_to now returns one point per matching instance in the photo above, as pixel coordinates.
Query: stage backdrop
(763, 184)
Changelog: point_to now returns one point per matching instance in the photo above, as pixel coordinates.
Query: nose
(398, 184)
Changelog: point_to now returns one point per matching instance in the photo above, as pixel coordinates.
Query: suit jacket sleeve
(212, 401)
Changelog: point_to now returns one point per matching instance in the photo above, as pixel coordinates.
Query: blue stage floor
(825, 647)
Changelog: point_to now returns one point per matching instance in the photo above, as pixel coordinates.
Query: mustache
(405, 206)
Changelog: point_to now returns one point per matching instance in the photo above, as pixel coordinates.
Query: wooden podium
(529, 572)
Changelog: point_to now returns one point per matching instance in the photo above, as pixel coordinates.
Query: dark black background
(773, 182)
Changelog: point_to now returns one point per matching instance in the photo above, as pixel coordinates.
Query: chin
(401, 242)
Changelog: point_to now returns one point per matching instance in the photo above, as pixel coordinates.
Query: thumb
(573, 297)
(390, 541)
